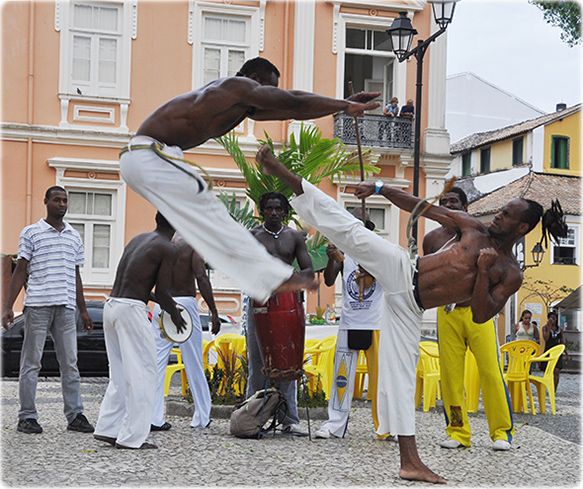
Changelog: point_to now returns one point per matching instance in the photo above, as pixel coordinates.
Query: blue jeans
(60, 322)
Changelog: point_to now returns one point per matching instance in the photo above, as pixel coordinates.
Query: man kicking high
(479, 267)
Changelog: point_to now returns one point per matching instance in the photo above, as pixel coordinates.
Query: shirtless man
(189, 266)
(456, 332)
(286, 244)
(478, 267)
(147, 261)
(152, 166)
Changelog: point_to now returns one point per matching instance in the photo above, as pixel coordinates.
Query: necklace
(275, 235)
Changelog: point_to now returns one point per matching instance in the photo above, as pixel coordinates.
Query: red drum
(280, 330)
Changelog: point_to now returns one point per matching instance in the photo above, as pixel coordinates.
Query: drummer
(125, 415)
(287, 244)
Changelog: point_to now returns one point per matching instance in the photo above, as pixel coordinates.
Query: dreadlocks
(553, 220)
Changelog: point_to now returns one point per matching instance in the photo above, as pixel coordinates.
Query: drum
(280, 330)
(168, 329)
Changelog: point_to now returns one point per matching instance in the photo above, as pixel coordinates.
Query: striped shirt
(52, 257)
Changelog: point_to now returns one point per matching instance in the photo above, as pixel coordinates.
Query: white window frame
(577, 245)
(128, 29)
(366, 22)
(99, 277)
(198, 10)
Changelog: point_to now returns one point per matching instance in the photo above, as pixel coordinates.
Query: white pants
(202, 219)
(191, 358)
(126, 409)
(400, 329)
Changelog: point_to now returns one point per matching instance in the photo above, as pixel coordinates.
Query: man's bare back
(138, 268)
(183, 283)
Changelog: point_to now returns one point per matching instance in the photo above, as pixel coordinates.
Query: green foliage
(244, 215)
(564, 15)
(229, 385)
(572, 346)
(312, 157)
(311, 399)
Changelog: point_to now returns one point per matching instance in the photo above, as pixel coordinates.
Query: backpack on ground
(249, 418)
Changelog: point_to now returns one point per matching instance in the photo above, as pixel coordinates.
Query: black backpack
(249, 418)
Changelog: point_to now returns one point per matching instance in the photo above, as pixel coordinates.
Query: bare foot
(412, 468)
(297, 281)
(420, 473)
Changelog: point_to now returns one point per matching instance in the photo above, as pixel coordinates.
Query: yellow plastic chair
(229, 348)
(320, 369)
(361, 372)
(172, 369)
(546, 382)
(471, 382)
(428, 375)
(209, 356)
(520, 354)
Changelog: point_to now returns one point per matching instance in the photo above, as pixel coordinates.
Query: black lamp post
(401, 35)
(538, 253)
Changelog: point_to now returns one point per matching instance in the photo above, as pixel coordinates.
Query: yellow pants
(457, 331)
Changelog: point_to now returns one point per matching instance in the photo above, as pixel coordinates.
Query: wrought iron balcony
(375, 130)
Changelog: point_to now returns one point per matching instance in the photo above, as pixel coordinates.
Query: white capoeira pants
(345, 364)
(191, 358)
(182, 196)
(400, 330)
(126, 409)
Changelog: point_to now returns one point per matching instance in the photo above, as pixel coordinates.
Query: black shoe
(165, 427)
(29, 425)
(81, 424)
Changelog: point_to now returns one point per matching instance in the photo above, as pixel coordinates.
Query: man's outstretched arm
(273, 103)
(452, 219)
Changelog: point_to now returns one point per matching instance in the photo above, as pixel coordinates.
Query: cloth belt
(156, 147)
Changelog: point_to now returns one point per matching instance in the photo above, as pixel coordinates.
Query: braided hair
(553, 220)
(275, 195)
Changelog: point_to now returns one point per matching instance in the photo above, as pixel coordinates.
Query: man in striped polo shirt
(52, 251)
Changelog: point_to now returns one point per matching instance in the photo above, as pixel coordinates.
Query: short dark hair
(162, 221)
(460, 193)
(262, 67)
(274, 195)
(54, 188)
(552, 313)
(553, 220)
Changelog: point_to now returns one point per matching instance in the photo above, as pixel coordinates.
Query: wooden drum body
(280, 330)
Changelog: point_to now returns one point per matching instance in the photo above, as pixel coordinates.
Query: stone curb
(176, 406)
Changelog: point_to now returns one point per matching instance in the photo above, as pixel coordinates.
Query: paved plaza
(545, 451)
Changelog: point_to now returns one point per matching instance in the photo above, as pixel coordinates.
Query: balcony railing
(375, 130)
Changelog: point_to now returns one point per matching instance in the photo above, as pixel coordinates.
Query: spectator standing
(553, 336)
(53, 252)
(525, 330)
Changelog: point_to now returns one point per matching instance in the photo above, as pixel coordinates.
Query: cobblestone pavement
(545, 451)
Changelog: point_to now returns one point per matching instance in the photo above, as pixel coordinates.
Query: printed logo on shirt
(354, 292)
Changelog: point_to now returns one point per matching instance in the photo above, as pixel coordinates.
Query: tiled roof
(488, 137)
(540, 187)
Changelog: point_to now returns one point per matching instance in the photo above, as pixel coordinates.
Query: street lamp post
(401, 35)
(538, 253)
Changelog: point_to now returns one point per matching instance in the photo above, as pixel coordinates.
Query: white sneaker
(450, 443)
(293, 429)
(501, 445)
(323, 433)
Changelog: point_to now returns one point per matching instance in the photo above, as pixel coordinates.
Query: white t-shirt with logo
(356, 314)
